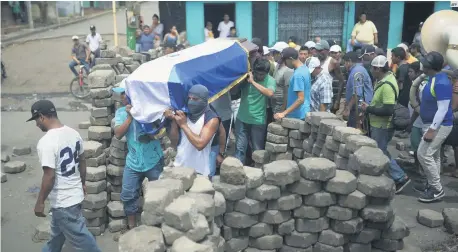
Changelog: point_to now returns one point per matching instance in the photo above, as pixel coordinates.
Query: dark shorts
(452, 139)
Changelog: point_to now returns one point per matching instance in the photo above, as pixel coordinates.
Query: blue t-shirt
(443, 91)
(146, 42)
(141, 157)
(300, 81)
(366, 82)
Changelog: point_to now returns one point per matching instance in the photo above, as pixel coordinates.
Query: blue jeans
(69, 224)
(383, 137)
(73, 64)
(350, 46)
(96, 55)
(138, 47)
(248, 133)
(213, 155)
(131, 183)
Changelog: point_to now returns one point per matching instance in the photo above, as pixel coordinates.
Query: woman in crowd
(171, 38)
(157, 27)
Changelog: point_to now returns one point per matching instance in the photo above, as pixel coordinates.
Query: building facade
(274, 21)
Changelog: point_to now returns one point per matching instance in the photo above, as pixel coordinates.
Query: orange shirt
(411, 59)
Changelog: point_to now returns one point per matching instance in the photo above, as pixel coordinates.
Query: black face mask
(259, 76)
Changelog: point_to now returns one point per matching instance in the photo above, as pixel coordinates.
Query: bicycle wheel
(78, 91)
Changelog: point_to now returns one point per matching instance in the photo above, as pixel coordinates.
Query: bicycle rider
(80, 56)
(94, 40)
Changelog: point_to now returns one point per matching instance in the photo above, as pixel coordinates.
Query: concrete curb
(11, 40)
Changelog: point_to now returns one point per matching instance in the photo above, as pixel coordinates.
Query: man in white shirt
(61, 156)
(225, 26)
(93, 40)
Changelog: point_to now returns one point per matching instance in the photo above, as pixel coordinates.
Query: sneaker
(401, 185)
(431, 195)
(421, 187)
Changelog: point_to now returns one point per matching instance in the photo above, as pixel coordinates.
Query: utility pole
(115, 27)
(57, 14)
(29, 14)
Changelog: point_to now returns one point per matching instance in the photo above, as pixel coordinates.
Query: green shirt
(253, 103)
(384, 94)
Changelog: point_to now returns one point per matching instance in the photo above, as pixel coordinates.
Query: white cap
(313, 63)
(279, 46)
(75, 37)
(310, 44)
(265, 50)
(335, 48)
(379, 61)
(403, 46)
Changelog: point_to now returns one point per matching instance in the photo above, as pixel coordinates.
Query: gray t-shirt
(222, 106)
(79, 51)
(282, 77)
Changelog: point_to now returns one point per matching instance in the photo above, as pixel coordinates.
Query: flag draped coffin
(164, 82)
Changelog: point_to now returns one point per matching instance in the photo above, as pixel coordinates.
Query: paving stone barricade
(328, 194)
(105, 153)
(317, 186)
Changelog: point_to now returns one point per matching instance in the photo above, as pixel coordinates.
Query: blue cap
(121, 88)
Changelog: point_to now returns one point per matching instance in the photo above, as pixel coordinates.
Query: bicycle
(79, 86)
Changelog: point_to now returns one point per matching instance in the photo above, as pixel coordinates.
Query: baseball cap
(290, 53)
(322, 45)
(257, 41)
(335, 48)
(279, 46)
(92, 27)
(75, 37)
(432, 60)
(265, 49)
(367, 50)
(121, 88)
(379, 61)
(43, 107)
(403, 46)
(379, 51)
(310, 44)
(313, 63)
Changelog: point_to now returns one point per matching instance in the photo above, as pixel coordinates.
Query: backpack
(401, 115)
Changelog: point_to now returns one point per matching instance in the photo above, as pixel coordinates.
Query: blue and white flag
(164, 83)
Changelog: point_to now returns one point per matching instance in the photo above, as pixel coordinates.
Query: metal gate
(306, 20)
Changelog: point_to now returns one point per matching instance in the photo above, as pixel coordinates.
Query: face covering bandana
(197, 107)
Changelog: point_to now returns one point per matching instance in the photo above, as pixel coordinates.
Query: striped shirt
(321, 92)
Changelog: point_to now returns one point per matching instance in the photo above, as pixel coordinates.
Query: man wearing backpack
(380, 112)
(437, 116)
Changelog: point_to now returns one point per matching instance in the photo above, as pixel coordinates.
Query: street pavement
(104, 24)
(20, 191)
(39, 63)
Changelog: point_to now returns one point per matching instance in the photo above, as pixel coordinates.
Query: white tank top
(325, 66)
(188, 155)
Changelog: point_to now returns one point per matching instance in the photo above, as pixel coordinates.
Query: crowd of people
(285, 81)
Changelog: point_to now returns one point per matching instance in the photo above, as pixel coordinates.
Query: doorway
(214, 12)
(414, 13)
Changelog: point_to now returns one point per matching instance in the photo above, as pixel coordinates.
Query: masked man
(192, 133)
